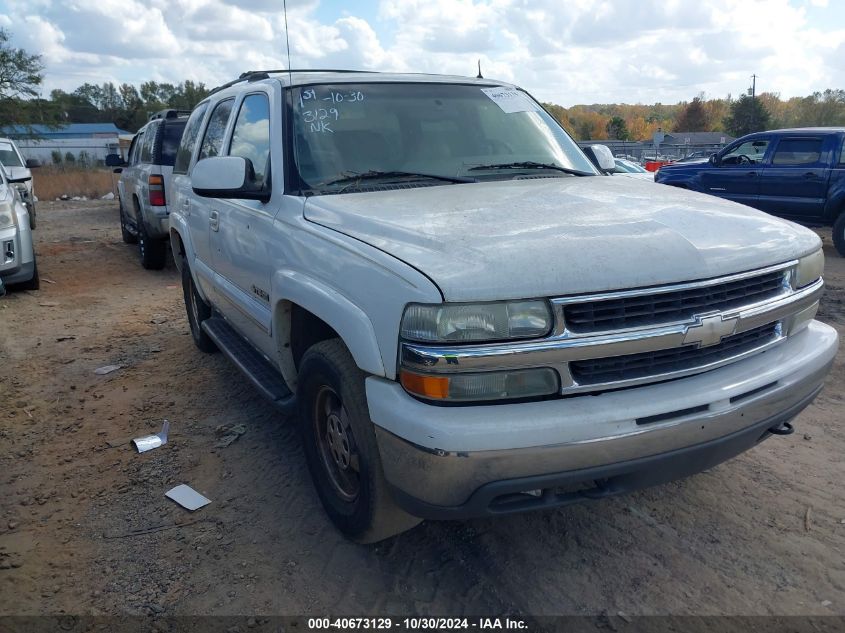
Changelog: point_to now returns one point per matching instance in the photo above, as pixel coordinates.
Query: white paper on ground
(510, 100)
(102, 371)
(149, 442)
(187, 497)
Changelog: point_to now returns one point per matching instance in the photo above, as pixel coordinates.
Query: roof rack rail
(170, 113)
(258, 75)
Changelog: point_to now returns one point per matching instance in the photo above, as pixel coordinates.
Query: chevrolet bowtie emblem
(710, 330)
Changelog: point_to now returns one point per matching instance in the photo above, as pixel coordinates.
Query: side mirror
(117, 170)
(114, 160)
(604, 157)
(31, 163)
(226, 177)
(714, 159)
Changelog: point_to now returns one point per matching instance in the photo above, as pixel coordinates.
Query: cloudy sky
(567, 52)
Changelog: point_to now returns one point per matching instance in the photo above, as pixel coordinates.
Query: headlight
(809, 269)
(466, 323)
(7, 216)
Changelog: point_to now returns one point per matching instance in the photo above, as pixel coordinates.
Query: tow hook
(784, 429)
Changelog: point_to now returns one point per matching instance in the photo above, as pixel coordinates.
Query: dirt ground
(85, 527)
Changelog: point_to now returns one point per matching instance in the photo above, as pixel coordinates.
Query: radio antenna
(287, 40)
(479, 70)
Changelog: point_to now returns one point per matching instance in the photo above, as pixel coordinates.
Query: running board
(265, 378)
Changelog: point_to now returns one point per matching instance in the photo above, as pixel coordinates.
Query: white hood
(558, 236)
(17, 173)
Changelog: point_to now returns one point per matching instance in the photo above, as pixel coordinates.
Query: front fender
(347, 319)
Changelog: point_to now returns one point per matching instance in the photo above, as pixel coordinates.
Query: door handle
(811, 174)
(214, 220)
(751, 173)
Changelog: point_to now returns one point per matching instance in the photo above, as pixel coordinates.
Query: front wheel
(32, 217)
(839, 233)
(340, 446)
(197, 309)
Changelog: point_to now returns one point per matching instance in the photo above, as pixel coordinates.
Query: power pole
(754, 102)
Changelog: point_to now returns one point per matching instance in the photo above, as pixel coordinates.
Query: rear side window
(798, 151)
(170, 137)
(251, 136)
(212, 142)
(133, 148)
(146, 155)
(189, 139)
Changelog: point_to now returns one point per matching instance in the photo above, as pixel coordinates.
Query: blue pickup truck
(796, 174)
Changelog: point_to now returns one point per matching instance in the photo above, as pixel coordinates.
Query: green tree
(56, 155)
(693, 117)
(20, 76)
(20, 72)
(747, 115)
(70, 159)
(617, 129)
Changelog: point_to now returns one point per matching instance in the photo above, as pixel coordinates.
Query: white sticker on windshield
(510, 100)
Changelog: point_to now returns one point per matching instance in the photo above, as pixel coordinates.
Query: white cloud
(581, 51)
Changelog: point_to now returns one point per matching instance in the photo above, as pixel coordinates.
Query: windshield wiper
(529, 164)
(351, 177)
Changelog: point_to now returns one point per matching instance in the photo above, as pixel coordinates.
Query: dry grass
(53, 182)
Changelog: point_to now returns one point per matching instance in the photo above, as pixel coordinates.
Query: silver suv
(144, 185)
(467, 316)
(17, 255)
(19, 175)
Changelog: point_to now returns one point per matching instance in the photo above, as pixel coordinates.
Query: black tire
(344, 461)
(128, 238)
(153, 252)
(34, 283)
(198, 311)
(839, 234)
(32, 217)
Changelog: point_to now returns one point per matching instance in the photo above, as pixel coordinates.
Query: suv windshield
(346, 134)
(8, 156)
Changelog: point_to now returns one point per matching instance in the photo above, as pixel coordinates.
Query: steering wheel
(742, 159)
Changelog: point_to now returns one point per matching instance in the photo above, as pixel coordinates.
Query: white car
(467, 318)
(17, 254)
(631, 170)
(19, 175)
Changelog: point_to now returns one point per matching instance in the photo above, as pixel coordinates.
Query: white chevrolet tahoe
(467, 318)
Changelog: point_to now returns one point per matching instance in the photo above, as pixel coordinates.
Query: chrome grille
(636, 366)
(665, 307)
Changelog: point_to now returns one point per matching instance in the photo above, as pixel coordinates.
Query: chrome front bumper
(435, 473)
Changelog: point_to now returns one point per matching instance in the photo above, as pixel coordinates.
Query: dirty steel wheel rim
(336, 444)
